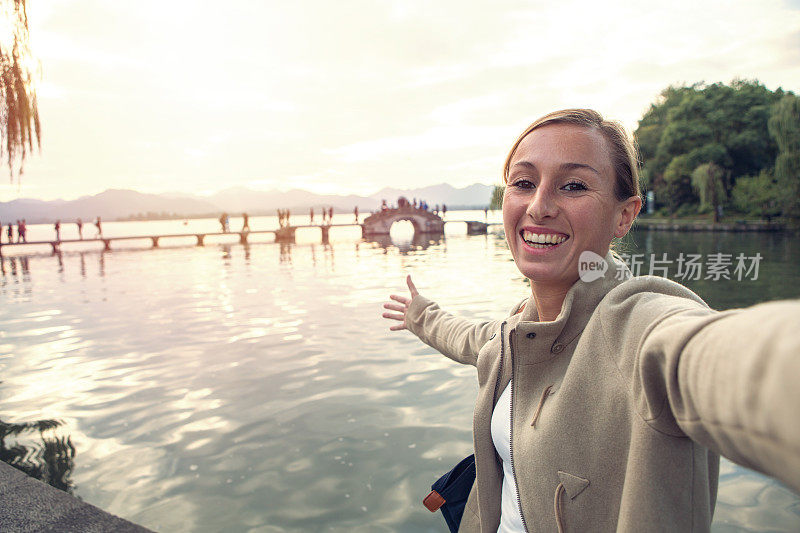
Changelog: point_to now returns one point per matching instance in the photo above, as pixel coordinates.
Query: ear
(628, 210)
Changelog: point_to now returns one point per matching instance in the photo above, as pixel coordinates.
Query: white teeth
(543, 238)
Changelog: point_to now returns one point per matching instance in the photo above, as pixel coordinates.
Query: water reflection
(419, 241)
(286, 253)
(50, 459)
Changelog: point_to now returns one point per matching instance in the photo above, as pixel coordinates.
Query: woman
(605, 399)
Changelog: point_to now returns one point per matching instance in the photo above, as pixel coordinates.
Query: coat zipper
(500, 370)
(511, 439)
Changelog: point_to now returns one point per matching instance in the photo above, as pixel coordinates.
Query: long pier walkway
(283, 234)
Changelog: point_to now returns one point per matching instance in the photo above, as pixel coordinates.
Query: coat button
(558, 348)
(531, 335)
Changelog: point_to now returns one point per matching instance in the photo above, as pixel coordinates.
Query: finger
(395, 307)
(394, 316)
(411, 287)
(401, 299)
(397, 328)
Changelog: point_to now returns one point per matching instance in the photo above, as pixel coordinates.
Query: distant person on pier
(330, 215)
(444, 210)
(384, 207)
(486, 214)
(324, 215)
(57, 227)
(22, 231)
(355, 213)
(10, 231)
(99, 224)
(246, 222)
(311, 215)
(79, 223)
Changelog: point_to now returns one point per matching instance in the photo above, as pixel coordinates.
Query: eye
(523, 184)
(573, 186)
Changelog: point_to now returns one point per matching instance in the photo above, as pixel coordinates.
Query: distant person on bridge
(444, 210)
(99, 224)
(79, 223)
(10, 231)
(57, 227)
(330, 215)
(311, 215)
(22, 231)
(245, 223)
(355, 213)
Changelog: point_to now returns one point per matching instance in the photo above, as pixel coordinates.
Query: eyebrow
(563, 166)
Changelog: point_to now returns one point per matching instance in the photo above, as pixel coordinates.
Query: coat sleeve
(729, 381)
(455, 337)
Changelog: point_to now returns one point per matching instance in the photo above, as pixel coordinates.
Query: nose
(542, 204)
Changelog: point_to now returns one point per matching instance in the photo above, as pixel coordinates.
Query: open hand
(401, 307)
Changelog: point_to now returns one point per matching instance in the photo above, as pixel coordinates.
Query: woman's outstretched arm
(455, 337)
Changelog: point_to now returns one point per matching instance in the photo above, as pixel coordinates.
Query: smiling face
(559, 201)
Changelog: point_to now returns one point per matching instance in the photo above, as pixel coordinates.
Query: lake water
(257, 388)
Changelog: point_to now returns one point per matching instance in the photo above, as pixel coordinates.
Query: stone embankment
(27, 504)
(666, 224)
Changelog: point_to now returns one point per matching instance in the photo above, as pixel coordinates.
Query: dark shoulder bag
(449, 493)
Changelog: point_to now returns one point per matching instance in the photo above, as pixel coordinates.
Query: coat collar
(579, 304)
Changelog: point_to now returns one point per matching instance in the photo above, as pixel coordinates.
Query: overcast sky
(352, 96)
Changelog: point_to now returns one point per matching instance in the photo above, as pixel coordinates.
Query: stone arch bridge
(423, 221)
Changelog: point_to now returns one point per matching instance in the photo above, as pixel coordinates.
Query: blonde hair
(622, 148)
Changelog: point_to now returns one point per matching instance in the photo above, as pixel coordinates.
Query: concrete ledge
(27, 504)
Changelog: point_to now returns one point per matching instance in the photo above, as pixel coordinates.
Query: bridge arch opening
(402, 229)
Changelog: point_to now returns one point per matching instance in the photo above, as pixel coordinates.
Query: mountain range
(126, 204)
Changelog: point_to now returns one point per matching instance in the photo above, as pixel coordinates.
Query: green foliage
(784, 125)
(496, 201)
(707, 180)
(699, 124)
(678, 179)
(757, 195)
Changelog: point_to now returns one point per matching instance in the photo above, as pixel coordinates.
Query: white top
(510, 517)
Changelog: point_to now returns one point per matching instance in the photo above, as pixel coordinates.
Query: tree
(497, 197)
(718, 123)
(707, 181)
(784, 126)
(757, 195)
(19, 111)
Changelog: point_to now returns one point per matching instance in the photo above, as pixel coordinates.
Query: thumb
(411, 287)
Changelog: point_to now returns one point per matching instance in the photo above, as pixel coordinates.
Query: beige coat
(617, 403)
